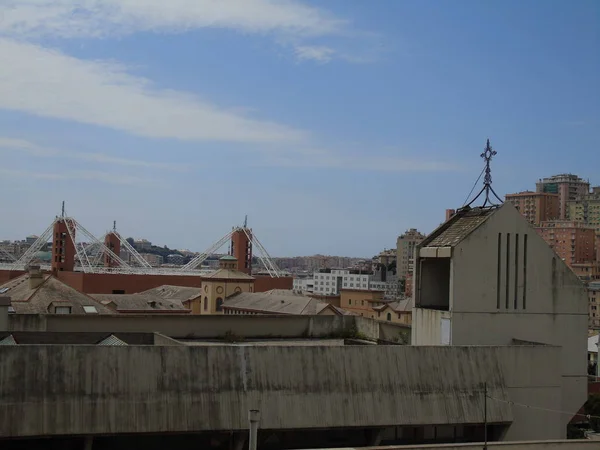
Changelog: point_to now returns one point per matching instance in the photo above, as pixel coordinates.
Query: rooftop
(26, 299)
(141, 302)
(458, 227)
(229, 274)
(277, 301)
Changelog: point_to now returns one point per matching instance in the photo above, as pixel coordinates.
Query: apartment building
(573, 242)
(332, 282)
(594, 304)
(405, 251)
(586, 208)
(152, 259)
(567, 186)
(536, 207)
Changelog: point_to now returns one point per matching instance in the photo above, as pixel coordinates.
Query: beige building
(221, 284)
(536, 207)
(405, 249)
(372, 304)
(395, 312)
(486, 277)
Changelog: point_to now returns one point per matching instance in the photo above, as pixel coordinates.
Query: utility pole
(485, 427)
(253, 418)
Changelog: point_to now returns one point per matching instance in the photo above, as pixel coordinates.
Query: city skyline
(335, 129)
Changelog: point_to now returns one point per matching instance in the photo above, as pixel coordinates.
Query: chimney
(4, 304)
(449, 214)
(36, 277)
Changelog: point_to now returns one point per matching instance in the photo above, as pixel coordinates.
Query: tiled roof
(458, 227)
(140, 302)
(398, 306)
(276, 301)
(51, 291)
(169, 292)
(229, 274)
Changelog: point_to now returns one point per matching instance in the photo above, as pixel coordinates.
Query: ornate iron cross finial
(487, 156)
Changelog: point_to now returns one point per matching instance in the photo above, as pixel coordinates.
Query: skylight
(90, 309)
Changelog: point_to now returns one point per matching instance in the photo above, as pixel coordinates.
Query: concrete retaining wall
(210, 327)
(526, 445)
(76, 390)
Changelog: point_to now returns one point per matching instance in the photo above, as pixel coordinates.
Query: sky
(335, 126)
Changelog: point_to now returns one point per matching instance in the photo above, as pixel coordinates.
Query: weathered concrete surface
(210, 327)
(81, 390)
(526, 445)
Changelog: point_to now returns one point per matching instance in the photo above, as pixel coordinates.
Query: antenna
(487, 156)
(246, 221)
(114, 226)
(63, 209)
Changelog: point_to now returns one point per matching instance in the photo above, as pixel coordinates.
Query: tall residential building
(536, 207)
(586, 208)
(572, 241)
(405, 252)
(567, 186)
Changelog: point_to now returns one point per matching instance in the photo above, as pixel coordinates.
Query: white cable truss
(132, 251)
(263, 255)
(198, 260)
(103, 249)
(23, 262)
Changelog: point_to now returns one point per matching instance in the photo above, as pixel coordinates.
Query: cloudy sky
(334, 125)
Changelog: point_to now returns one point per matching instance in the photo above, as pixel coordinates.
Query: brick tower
(241, 249)
(63, 247)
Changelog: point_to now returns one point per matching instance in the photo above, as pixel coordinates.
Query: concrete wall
(526, 445)
(553, 312)
(207, 327)
(7, 275)
(263, 284)
(74, 390)
(556, 310)
(103, 283)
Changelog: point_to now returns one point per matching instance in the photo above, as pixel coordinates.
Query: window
(118, 291)
(219, 304)
(389, 316)
(349, 301)
(205, 303)
(62, 310)
(90, 309)
(362, 302)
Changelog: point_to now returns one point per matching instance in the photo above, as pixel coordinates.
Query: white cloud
(38, 150)
(101, 18)
(86, 175)
(51, 84)
(315, 53)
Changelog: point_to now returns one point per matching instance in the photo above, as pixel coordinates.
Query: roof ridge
(37, 289)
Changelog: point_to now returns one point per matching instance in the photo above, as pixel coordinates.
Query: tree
(592, 408)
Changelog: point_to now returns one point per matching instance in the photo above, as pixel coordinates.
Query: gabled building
(39, 293)
(485, 277)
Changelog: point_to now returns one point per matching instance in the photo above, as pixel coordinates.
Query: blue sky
(334, 125)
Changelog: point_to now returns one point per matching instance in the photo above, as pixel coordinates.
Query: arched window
(205, 303)
(389, 316)
(219, 304)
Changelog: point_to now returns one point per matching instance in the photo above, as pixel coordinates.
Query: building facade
(567, 186)
(586, 208)
(573, 242)
(486, 278)
(593, 289)
(405, 249)
(536, 207)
